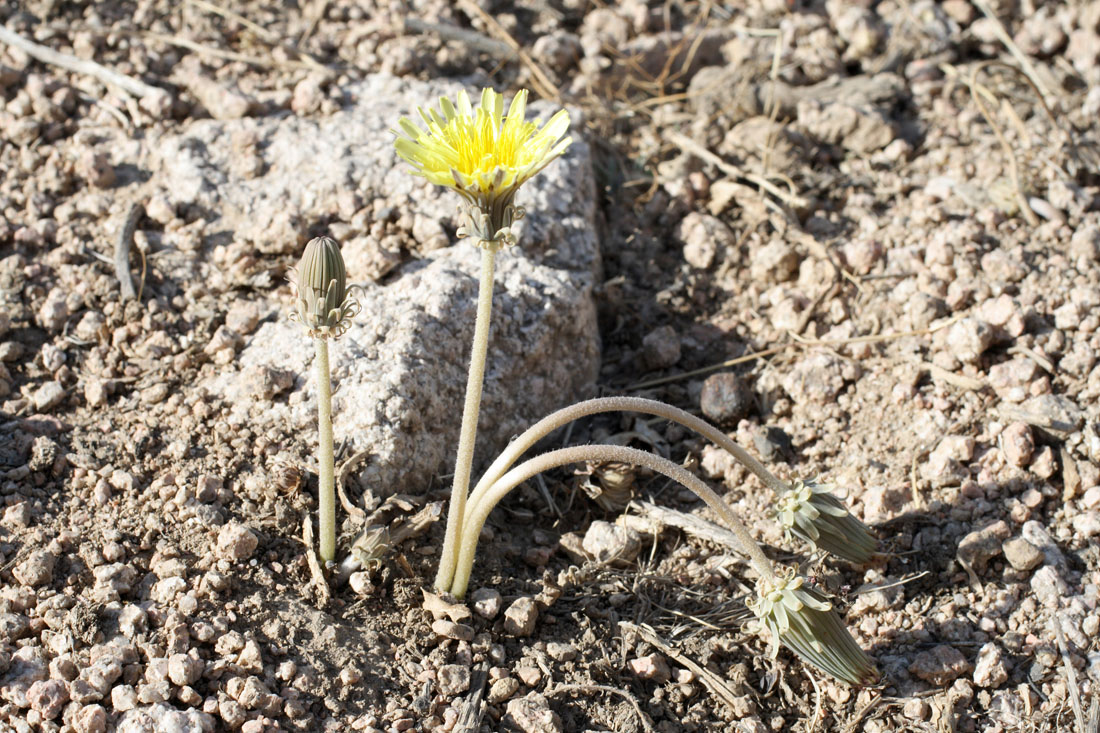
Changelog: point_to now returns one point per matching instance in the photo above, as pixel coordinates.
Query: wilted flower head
(802, 619)
(810, 511)
(323, 305)
(483, 154)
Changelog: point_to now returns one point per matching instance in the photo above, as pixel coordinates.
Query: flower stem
(479, 512)
(555, 420)
(326, 489)
(468, 433)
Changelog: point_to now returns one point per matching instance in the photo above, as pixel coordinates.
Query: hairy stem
(555, 420)
(468, 433)
(326, 491)
(479, 511)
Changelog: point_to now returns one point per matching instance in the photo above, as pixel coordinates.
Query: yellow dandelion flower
(484, 155)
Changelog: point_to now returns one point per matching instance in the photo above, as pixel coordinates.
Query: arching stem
(478, 512)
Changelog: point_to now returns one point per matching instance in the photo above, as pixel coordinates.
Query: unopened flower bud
(803, 620)
(810, 511)
(323, 305)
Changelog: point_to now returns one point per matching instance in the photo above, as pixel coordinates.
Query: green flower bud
(808, 510)
(323, 303)
(801, 618)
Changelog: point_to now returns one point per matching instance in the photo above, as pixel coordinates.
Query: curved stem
(468, 433)
(326, 495)
(555, 420)
(479, 511)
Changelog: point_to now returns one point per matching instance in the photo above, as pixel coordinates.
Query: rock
(1011, 380)
(819, 377)
(184, 670)
(947, 463)
(968, 339)
(532, 714)
(453, 679)
(47, 697)
(397, 379)
(1087, 524)
(979, 547)
(451, 630)
(651, 667)
(53, 313)
(775, 262)
(560, 651)
(940, 665)
(1048, 586)
(558, 50)
(725, 398)
(521, 616)
(308, 96)
(236, 542)
(90, 719)
(528, 675)
(857, 129)
(36, 570)
(989, 669)
(661, 347)
(1017, 443)
(1056, 413)
(611, 544)
(502, 689)
(48, 396)
(704, 237)
(1022, 555)
(486, 602)
(223, 101)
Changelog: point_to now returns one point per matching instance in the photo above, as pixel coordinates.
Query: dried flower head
(609, 483)
(324, 303)
(810, 511)
(802, 619)
(483, 154)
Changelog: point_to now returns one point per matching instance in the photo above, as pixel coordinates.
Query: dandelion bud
(811, 512)
(323, 305)
(802, 619)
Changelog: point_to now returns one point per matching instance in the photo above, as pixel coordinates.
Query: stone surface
(610, 543)
(980, 546)
(532, 714)
(725, 398)
(1022, 555)
(989, 668)
(940, 665)
(453, 679)
(399, 373)
(521, 616)
(236, 542)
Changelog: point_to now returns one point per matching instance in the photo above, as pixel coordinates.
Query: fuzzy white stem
(478, 512)
(326, 495)
(555, 420)
(468, 433)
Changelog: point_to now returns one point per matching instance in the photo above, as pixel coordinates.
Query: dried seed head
(372, 545)
(803, 620)
(323, 303)
(809, 510)
(610, 484)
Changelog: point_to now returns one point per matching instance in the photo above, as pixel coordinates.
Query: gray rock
(857, 129)
(236, 542)
(989, 669)
(968, 339)
(979, 547)
(36, 570)
(453, 679)
(531, 714)
(486, 602)
(521, 616)
(1022, 555)
(610, 543)
(661, 347)
(940, 665)
(1018, 443)
(400, 372)
(48, 396)
(1048, 586)
(819, 377)
(725, 398)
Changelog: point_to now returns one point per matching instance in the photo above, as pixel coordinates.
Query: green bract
(811, 512)
(323, 305)
(802, 619)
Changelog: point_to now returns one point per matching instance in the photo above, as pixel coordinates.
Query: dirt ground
(864, 237)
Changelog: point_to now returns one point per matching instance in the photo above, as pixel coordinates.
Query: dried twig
(469, 717)
(693, 525)
(341, 480)
(1071, 674)
(126, 84)
(1021, 58)
(688, 145)
(122, 253)
(220, 53)
(473, 39)
(266, 35)
(324, 595)
(647, 724)
(542, 83)
(717, 686)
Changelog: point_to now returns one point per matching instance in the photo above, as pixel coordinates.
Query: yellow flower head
(483, 154)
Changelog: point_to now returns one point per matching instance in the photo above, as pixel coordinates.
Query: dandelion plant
(325, 308)
(485, 156)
